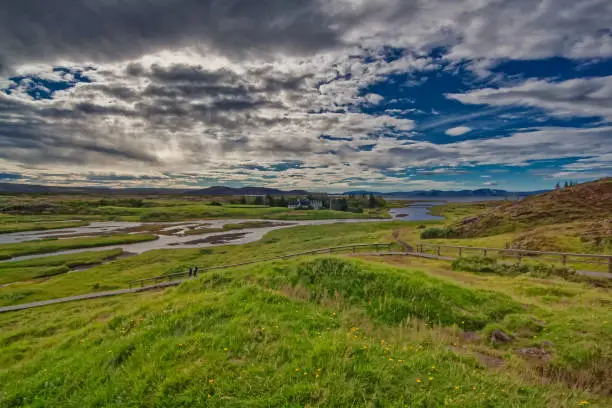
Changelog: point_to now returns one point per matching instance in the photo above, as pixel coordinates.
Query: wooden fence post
(484, 252)
(438, 250)
(563, 259)
(610, 264)
(460, 251)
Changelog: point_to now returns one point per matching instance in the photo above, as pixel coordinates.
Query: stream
(177, 238)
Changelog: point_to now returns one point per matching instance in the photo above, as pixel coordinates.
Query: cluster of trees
(271, 201)
(351, 203)
(365, 201)
(567, 184)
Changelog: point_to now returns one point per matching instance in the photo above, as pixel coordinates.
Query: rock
(534, 353)
(489, 361)
(498, 336)
(471, 336)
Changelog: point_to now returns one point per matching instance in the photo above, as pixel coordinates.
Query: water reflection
(418, 211)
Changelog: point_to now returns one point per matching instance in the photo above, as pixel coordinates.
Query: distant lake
(419, 210)
(442, 200)
(416, 212)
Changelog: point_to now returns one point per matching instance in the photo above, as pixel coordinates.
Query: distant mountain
(227, 191)
(15, 188)
(482, 192)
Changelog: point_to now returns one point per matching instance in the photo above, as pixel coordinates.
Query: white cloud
(458, 131)
(574, 97)
(185, 96)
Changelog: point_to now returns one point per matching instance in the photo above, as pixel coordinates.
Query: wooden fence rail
(178, 275)
(563, 257)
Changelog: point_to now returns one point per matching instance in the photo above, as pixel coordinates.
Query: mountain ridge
(482, 192)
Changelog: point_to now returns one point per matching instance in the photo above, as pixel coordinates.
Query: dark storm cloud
(32, 30)
(33, 134)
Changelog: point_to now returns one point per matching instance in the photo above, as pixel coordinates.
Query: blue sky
(386, 95)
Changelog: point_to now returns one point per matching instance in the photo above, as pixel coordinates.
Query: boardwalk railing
(174, 276)
(519, 254)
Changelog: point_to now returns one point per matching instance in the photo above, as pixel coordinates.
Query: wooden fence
(562, 257)
(174, 276)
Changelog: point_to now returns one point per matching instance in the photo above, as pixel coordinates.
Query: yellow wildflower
(211, 381)
(418, 380)
(585, 402)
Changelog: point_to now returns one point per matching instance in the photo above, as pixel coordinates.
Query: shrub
(430, 233)
(489, 265)
(392, 296)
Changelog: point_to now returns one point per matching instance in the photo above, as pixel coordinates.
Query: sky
(334, 95)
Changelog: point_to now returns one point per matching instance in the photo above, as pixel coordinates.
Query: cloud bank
(190, 93)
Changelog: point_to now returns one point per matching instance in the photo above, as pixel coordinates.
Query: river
(178, 239)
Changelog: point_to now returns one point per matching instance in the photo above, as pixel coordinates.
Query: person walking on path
(190, 271)
(195, 272)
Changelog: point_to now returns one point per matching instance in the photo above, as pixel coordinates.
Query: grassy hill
(588, 202)
(316, 332)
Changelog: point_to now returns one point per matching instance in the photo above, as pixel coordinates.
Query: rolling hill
(589, 202)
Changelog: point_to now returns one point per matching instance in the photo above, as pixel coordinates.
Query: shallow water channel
(176, 237)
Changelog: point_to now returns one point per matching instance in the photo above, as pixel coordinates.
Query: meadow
(318, 331)
(330, 331)
(22, 213)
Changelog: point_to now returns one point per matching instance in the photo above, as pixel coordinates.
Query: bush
(430, 233)
(490, 265)
(392, 296)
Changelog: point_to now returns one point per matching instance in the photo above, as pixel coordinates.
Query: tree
(372, 203)
(342, 204)
(269, 200)
(566, 185)
(557, 186)
(243, 200)
(259, 200)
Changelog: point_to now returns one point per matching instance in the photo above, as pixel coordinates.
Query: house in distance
(306, 204)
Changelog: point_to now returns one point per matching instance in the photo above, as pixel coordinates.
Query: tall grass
(232, 340)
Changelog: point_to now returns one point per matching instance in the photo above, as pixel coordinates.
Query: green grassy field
(15, 210)
(42, 246)
(319, 331)
(117, 274)
(53, 265)
(350, 330)
(7, 227)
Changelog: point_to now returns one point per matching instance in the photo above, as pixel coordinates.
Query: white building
(305, 203)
